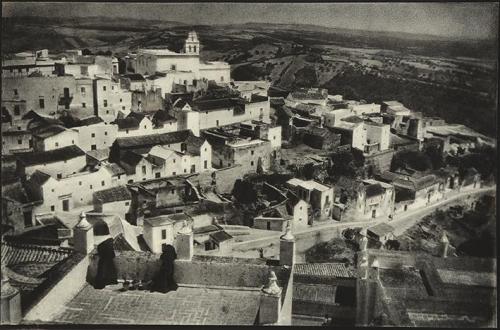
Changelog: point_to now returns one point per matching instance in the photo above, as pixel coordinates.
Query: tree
(86, 51)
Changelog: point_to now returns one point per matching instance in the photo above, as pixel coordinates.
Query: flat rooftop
(186, 306)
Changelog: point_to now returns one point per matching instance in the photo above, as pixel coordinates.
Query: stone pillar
(363, 243)
(270, 302)
(445, 243)
(287, 247)
(83, 236)
(10, 302)
(185, 243)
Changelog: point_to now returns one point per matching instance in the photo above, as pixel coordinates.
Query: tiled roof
(207, 105)
(374, 190)
(49, 131)
(14, 253)
(258, 98)
(185, 306)
(153, 139)
(162, 116)
(38, 178)
(323, 270)
(115, 169)
(381, 229)
(134, 77)
(136, 115)
(130, 158)
(127, 123)
(220, 236)
(51, 156)
(114, 194)
(90, 121)
(99, 154)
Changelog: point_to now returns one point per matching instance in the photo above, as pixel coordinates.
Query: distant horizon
(443, 20)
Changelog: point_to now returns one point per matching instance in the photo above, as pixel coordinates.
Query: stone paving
(186, 306)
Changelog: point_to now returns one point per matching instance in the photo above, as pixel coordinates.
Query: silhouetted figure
(106, 270)
(164, 280)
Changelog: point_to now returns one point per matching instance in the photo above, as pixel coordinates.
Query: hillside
(452, 78)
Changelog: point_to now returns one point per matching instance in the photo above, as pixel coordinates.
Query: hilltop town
(285, 206)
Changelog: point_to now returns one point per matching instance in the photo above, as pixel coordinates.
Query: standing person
(164, 280)
(106, 270)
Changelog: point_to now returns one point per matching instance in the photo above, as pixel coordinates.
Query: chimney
(287, 247)
(83, 235)
(270, 303)
(445, 243)
(10, 302)
(185, 244)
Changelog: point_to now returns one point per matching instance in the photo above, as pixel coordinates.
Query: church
(185, 64)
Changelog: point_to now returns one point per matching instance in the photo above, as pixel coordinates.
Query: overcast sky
(470, 20)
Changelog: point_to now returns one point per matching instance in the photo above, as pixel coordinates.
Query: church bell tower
(192, 45)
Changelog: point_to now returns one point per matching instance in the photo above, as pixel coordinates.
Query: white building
(319, 196)
(150, 61)
(25, 64)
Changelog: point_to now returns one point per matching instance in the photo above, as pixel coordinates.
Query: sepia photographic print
(296, 164)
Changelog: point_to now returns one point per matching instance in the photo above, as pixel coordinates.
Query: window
(145, 127)
(123, 108)
(217, 122)
(79, 183)
(105, 103)
(19, 141)
(112, 88)
(18, 128)
(17, 111)
(93, 147)
(205, 164)
(42, 103)
(105, 133)
(172, 191)
(90, 186)
(84, 105)
(82, 90)
(127, 203)
(173, 173)
(52, 190)
(251, 152)
(120, 100)
(107, 112)
(173, 67)
(130, 181)
(163, 234)
(104, 88)
(52, 208)
(92, 135)
(174, 161)
(194, 49)
(193, 168)
(84, 70)
(15, 92)
(157, 175)
(251, 163)
(65, 205)
(185, 82)
(144, 170)
(103, 183)
(19, 70)
(221, 78)
(57, 144)
(27, 70)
